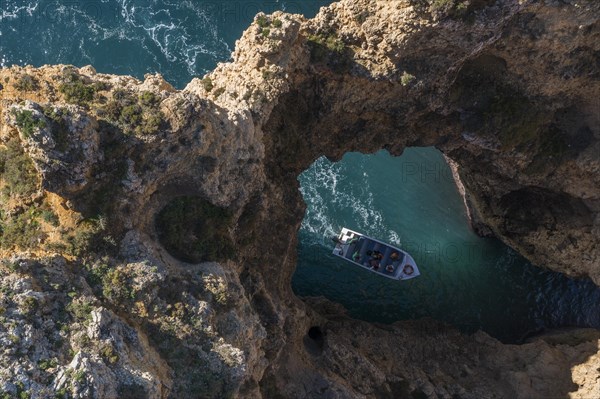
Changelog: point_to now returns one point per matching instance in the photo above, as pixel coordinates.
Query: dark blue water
(179, 39)
(466, 280)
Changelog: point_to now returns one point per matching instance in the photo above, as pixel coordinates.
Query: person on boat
(374, 264)
(353, 240)
(390, 268)
(394, 256)
(356, 256)
(377, 255)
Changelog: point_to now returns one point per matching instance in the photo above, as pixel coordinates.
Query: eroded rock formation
(94, 306)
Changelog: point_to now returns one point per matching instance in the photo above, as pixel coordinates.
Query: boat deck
(362, 250)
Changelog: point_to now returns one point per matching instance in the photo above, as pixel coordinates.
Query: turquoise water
(466, 280)
(178, 38)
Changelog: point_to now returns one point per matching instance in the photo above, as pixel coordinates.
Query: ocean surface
(470, 282)
(180, 39)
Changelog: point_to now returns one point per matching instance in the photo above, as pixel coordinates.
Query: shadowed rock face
(507, 91)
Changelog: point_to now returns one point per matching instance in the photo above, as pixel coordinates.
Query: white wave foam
(331, 195)
(184, 33)
(318, 184)
(172, 36)
(12, 11)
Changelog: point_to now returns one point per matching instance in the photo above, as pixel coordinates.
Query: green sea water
(470, 282)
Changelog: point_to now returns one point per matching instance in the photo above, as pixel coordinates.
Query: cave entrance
(468, 281)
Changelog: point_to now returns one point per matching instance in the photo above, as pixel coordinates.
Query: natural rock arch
(361, 76)
(514, 134)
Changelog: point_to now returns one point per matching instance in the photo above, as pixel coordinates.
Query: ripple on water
(179, 39)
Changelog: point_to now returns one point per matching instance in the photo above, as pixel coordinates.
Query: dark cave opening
(314, 341)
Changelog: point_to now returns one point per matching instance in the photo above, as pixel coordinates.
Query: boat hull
(375, 256)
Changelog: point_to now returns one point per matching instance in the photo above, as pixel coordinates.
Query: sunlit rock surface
(92, 305)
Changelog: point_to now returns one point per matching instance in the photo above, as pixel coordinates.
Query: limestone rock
(507, 90)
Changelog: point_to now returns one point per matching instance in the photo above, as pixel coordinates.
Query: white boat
(375, 256)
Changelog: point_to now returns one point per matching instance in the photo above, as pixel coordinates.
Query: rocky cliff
(132, 212)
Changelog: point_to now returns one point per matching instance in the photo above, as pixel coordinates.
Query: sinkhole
(193, 230)
(314, 341)
(467, 281)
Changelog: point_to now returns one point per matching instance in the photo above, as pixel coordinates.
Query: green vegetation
(113, 283)
(22, 230)
(462, 6)
(520, 125)
(329, 49)
(207, 84)
(61, 394)
(267, 75)
(79, 376)
(219, 91)
(406, 78)
(27, 123)
(49, 217)
(46, 364)
(108, 353)
(81, 309)
(262, 21)
(17, 172)
(331, 42)
(26, 83)
(265, 24)
(194, 230)
(21, 392)
(12, 266)
(135, 115)
(79, 241)
(96, 273)
(451, 8)
(362, 16)
(88, 236)
(75, 90)
(30, 305)
(441, 4)
(131, 115)
(116, 287)
(59, 127)
(149, 99)
(25, 218)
